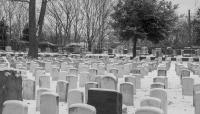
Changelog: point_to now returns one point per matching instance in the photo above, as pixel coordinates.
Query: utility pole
(190, 27)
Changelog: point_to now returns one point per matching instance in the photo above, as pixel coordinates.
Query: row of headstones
(188, 86)
(107, 82)
(156, 103)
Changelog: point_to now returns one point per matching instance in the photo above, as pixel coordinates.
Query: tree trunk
(33, 47)
(41, 18)
(134, 41)
(89, 46)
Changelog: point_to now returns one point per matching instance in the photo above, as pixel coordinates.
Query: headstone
(62, 90)
(14, 107)
(101, 69)
(28, 91)
(73, 71)
(54, 73)
(98, 80)
(82, 109)
(196, 88)
(197, 103)
(105, 101)
(109, 82)
(185, 73)
(44, 81)
(83, 68)
(72, 79)
(187, 86)
(38, 74)
(93, 73)
(136, 82)
(39, 93)
(162, 95)
(48, 67)
(157, 85)
(136, 71)
(151, 102)
(114, 71)
(148, 110)
(75, 96)
(88, 86)
(162, 72)
(84, 77)
(161, 79)
(49, 103)
(127, 91)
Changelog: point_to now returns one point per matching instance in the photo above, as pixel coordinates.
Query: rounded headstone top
(152, 109)
(49, 94)
(15, 102)
(158, 89)
(107, 90)
(62, 81)
(156, 83)
(71, 75)
(91, 83)
(81, 105)
(130, 83)
(28, 79)
(43, 89)
(110, 76)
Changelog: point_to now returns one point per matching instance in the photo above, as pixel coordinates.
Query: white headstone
(151, 102)
(49, 103)
(187, 86)
(82, 109)
(14, 107)
(127, 90)
(109, 82)
(162, 95)
(28, 89)
(75, 96)
(44, 81)
(62, 90)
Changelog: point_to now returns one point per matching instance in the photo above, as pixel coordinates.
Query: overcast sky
(185, 5)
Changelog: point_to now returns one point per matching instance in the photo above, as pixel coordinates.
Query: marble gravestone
(14, 107)
(127, 90)
(82, 109)
(28, 89)
(187, 86)
(62, 90)
(88, 86)
(49, 103)
(151, 102)
(105, 101)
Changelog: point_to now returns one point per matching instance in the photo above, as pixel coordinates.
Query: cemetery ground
(178, 102)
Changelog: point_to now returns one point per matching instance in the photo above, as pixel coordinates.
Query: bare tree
(96, 13)
(9, 8)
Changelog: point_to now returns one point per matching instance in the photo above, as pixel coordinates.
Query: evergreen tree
(139, 19)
